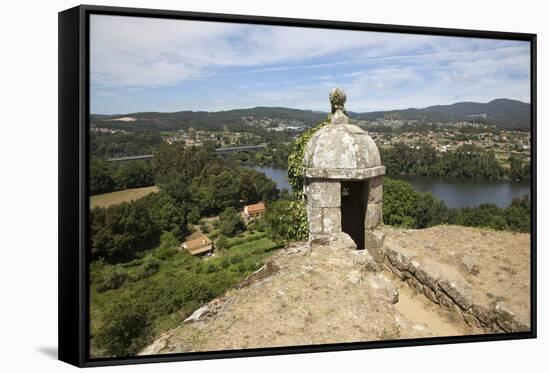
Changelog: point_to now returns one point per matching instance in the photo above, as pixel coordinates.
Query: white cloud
(131, 55)
(156, 52)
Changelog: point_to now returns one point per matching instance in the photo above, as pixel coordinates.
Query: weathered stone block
(384, 287)
(457, 293)
(430, 294)
(399, 260)
(484, 314)
(315, 219)
(426, 279)
(318, 239)
(413, 266)
(342, 240)
(332, 221)
(323, 193)
(374, 215)
(471, 320)
(415, 285)
(444, 300)
(363, 260)
(375, 190)
(506, 318)
(374, 241)
(402, 275)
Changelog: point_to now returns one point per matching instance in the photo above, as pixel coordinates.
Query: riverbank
(454, 192)
(468, 192)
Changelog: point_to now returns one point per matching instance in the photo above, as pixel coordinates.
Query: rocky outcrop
(326, 291)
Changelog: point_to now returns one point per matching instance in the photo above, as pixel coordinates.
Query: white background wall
(28, 198)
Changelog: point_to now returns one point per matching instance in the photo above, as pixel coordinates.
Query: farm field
(114, 198)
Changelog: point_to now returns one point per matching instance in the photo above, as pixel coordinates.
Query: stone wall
(373, 217)
(323, 207)
(434, 285)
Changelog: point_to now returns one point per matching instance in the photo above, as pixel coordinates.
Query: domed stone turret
(341, 151)
(343, 178)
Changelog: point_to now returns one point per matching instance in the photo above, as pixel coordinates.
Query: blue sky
(147, 64)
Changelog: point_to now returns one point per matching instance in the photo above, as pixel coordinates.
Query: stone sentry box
(343, 179)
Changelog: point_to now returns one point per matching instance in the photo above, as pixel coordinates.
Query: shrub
(113, 278)
(150, 267)
(163, 253)
(287, 220)
(132, 263)
(125, 329)
(204, 228)
(222, 243)
(168, 246)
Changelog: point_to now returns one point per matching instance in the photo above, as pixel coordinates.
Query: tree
(518, 214)
(168, 214)
(485, 215)
(124, 328)
(399, 203)
(194, 215)
(518, 171)
(231, 222)
(175, 165)
(429, 211)
(121, 231)
(101, 180)
(134, 174)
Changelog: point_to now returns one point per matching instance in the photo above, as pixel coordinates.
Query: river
(454, 192)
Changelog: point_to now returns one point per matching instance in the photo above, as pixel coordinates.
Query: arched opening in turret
(353, 210)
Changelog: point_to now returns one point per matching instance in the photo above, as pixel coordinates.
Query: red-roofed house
(254, 211)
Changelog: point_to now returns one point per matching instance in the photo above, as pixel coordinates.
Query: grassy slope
(114, 198)
(173, 292)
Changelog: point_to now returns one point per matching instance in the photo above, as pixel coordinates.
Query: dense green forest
(120, 144)
(108, 176)
(466, 162)
(194, 183)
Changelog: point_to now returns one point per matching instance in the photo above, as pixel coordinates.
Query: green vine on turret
(295, 160)
(296, 214)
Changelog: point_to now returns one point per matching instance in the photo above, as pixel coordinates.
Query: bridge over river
(221, 151)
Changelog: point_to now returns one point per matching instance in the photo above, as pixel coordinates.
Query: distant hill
(504, 113)
(235, 119)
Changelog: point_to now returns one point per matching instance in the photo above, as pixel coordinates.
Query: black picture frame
(74, 110)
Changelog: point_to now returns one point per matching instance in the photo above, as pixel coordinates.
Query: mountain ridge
(502, 112)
